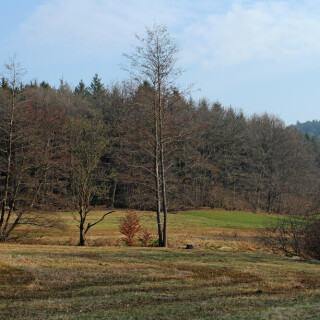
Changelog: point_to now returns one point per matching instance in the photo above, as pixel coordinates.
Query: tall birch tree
(154, 61)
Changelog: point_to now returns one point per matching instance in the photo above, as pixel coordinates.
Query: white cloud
(92, 26)
(276, 30)
(209, 32)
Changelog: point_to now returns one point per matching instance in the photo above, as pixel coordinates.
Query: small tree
(88, 144)
(129, 227)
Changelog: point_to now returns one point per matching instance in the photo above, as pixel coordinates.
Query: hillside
(312, 128)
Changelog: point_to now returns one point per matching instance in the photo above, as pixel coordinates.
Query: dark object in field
(190, 246)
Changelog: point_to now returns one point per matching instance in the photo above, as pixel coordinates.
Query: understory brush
(295, 236)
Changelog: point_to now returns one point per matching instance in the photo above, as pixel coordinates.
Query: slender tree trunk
(6, 234)
(82, 238)
(157, 177)
(158, 196)
(164, 203)
(163, 179)
(82, 235)
(114, 192)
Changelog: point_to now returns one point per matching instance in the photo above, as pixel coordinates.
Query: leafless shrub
(294, 236)
(312, 239)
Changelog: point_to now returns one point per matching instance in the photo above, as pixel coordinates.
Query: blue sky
(253, 55)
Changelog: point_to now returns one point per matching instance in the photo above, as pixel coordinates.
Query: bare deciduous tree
(88, 144)
(29, 151)
(153, 65)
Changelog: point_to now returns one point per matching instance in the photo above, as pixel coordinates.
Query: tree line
(143, 144)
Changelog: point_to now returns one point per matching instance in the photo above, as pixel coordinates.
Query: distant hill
(312, 128)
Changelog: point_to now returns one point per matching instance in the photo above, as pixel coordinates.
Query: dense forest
(139, 145)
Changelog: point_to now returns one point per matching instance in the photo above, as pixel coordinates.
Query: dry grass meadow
(228, 276)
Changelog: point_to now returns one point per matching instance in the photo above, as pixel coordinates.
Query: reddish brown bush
(129, 227)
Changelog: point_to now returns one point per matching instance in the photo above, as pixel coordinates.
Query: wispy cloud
(257, 30)
(236, 32)
(92, 26)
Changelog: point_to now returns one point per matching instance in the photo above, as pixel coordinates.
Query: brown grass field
(228, 276)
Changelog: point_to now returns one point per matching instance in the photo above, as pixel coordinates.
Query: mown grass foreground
(228, 276)
(59, 282)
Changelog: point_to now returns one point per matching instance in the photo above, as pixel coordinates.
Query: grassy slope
(200, 227)
(228, 219)
(189, 219)
(50, 282)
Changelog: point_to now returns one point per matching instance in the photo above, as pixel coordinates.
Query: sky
(257, 56)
